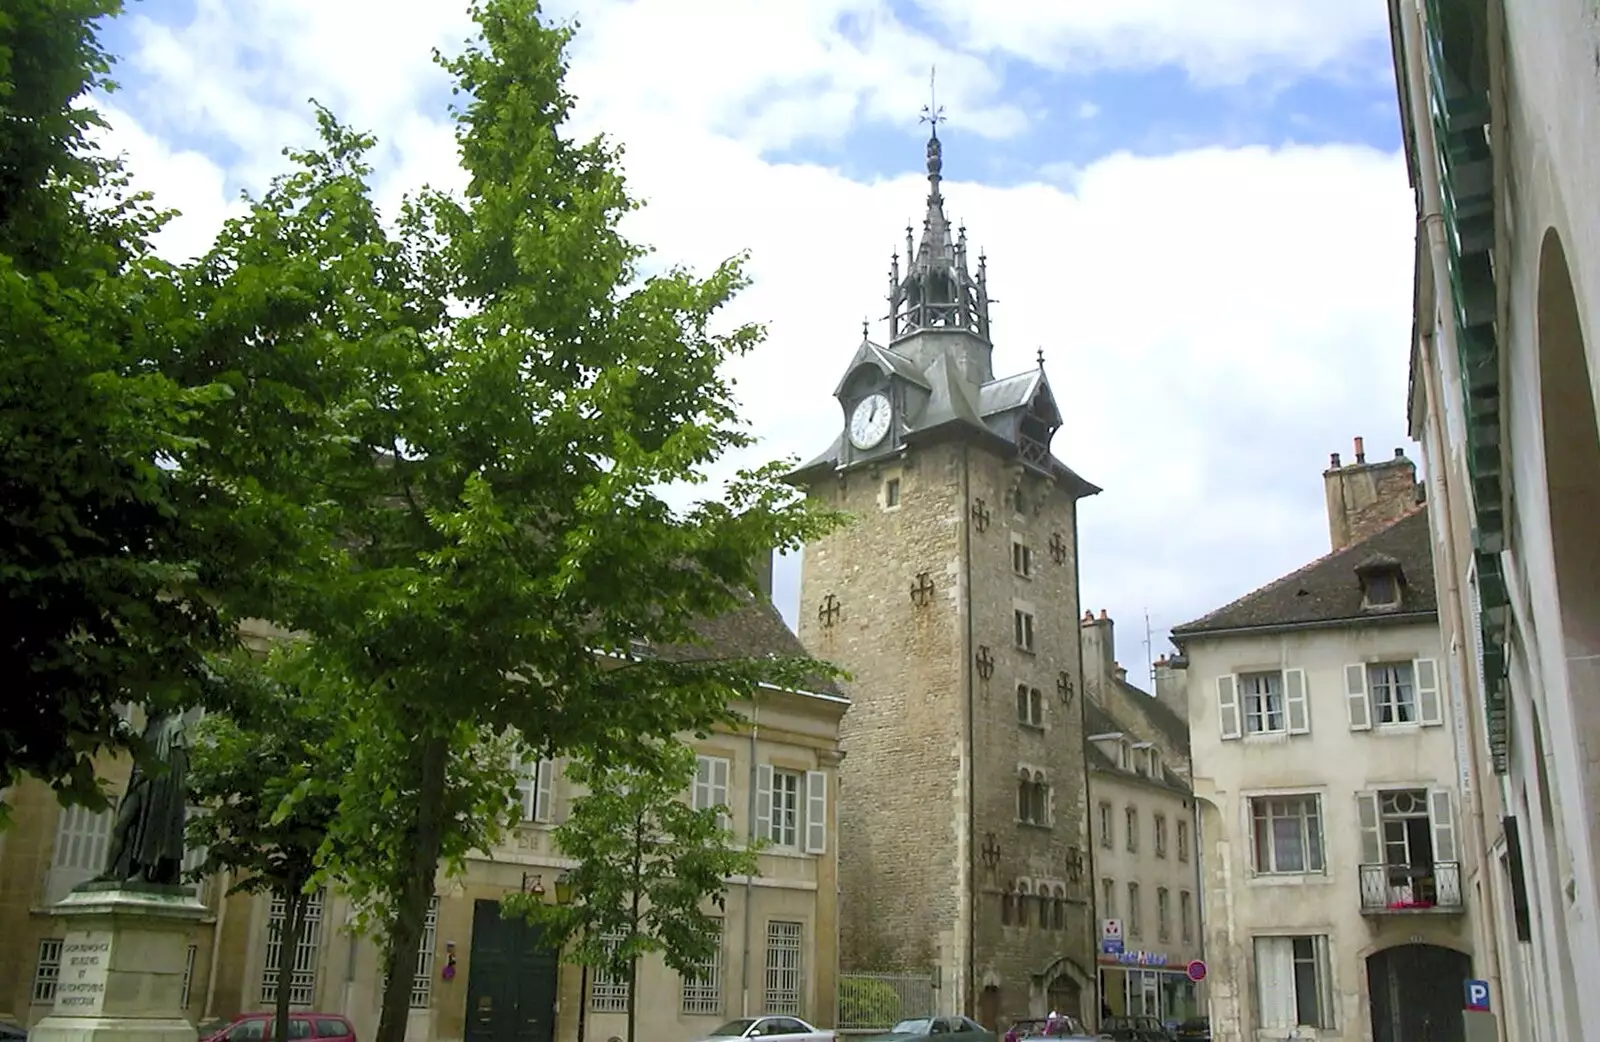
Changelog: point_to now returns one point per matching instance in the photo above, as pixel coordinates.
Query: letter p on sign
(1478, 995)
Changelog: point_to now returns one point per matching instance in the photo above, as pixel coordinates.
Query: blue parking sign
(1478, 995)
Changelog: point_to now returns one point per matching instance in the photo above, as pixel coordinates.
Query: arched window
(1024, 892)
(1059, 907)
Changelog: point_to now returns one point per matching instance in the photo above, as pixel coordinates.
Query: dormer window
(1155, 762)
(1382, 582)
(1125, 755)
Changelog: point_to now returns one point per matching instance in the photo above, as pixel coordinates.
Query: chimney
(762, 566)
(1172, 688)
(1099, 651)
(1366, 497)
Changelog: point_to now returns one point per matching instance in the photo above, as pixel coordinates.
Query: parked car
(947, 1029)
(1195, 1029)
(1135, 1029)
(10, 1032)
(258, 1027)
(1063, 1028)
(773, 1028)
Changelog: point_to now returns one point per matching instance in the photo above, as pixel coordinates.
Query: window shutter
(764, 801)
(541, 807)
(1228, 706)
(1371, 833)
(1275, 982)
(1296, 706)
(719, 790)
(1355, 693)
(816, 812)
(1444, 825)
(702, 783)
(1430, 710)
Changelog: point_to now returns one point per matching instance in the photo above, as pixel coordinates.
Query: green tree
(467, 425)
(108, 552)
(262, 777)
(649, 864)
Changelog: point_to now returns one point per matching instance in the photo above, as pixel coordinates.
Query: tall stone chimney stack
(1364, 497)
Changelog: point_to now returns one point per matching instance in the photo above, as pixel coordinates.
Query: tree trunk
(416, 891)
(633, 922)
(294, 924)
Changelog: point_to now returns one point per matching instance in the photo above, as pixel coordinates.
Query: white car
(777, 1029)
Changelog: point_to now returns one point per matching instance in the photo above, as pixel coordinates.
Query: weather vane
(932, 112)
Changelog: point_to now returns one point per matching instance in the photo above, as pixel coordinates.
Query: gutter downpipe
(969, 990)
(749, 883)
(1433, 336)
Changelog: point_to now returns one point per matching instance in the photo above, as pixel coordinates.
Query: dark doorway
(1066, 996)
(511, 980)
(1416, 993)
(989, 1008)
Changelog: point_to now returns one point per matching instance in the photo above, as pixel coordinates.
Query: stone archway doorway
(1572, 476)
(989, 1007)
(1414, 993)
(1065, 995)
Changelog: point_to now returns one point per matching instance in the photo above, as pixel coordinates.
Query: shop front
(1134, 983)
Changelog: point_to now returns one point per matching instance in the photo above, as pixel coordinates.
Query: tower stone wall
(931, 845)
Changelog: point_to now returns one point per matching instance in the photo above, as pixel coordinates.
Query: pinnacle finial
(864, 324)
(933, 112)
(1041, 358)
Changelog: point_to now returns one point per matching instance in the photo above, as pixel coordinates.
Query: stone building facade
(1326, 759)
(776, 771)
(1146, 864)
(1499, 105)
(952, 602)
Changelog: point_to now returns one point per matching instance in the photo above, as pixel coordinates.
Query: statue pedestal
(122, 964)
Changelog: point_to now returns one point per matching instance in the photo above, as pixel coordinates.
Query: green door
(511, 981)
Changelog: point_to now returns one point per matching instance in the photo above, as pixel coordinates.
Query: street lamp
(566, 892)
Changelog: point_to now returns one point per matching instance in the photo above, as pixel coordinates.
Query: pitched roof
(1328, 590)
(754, 630)
(1098, 721)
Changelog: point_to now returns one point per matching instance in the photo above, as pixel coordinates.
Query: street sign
(1112, 947)
(1197, 971)
(1111, 929)
(1478, 995)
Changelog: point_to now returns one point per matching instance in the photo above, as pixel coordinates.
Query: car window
(787, 1026)
(332, 1027)
(247, 1031)
(300, 1027)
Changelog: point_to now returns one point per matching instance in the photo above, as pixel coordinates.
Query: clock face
(870, 421)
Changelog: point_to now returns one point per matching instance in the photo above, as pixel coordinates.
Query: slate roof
(753, 630)
(1098, 721)
(1328, 590)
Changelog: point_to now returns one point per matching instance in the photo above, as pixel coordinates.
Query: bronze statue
(147, 841)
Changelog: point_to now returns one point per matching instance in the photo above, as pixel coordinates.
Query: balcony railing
(1395, 889)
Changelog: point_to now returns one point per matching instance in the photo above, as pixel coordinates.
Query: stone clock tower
(953, 602)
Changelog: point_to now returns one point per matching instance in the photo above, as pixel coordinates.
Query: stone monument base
(122, 964)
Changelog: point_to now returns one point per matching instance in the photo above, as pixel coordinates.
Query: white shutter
(1371, 830)
(1430, 708)
(1228, 706)
(702, 784)
(541, 803)
(816, 812)
(1296, 707)
(1355, 694)
(1275, 982)
(764, 801)
(719, 790)
(1444, 825)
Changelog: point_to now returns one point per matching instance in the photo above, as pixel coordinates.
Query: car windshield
(911, 1027)
(733, 1029)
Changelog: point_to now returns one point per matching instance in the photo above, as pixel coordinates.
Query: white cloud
(1214, 322)
(1216, 41)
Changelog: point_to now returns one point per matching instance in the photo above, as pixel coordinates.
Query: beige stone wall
(909, 837)
(1175, 871)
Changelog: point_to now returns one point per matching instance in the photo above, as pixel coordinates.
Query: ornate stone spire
(936, 290)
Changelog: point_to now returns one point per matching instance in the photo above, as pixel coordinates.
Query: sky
(1197, 209)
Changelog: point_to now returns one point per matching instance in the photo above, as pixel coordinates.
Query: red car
(303, 1027)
